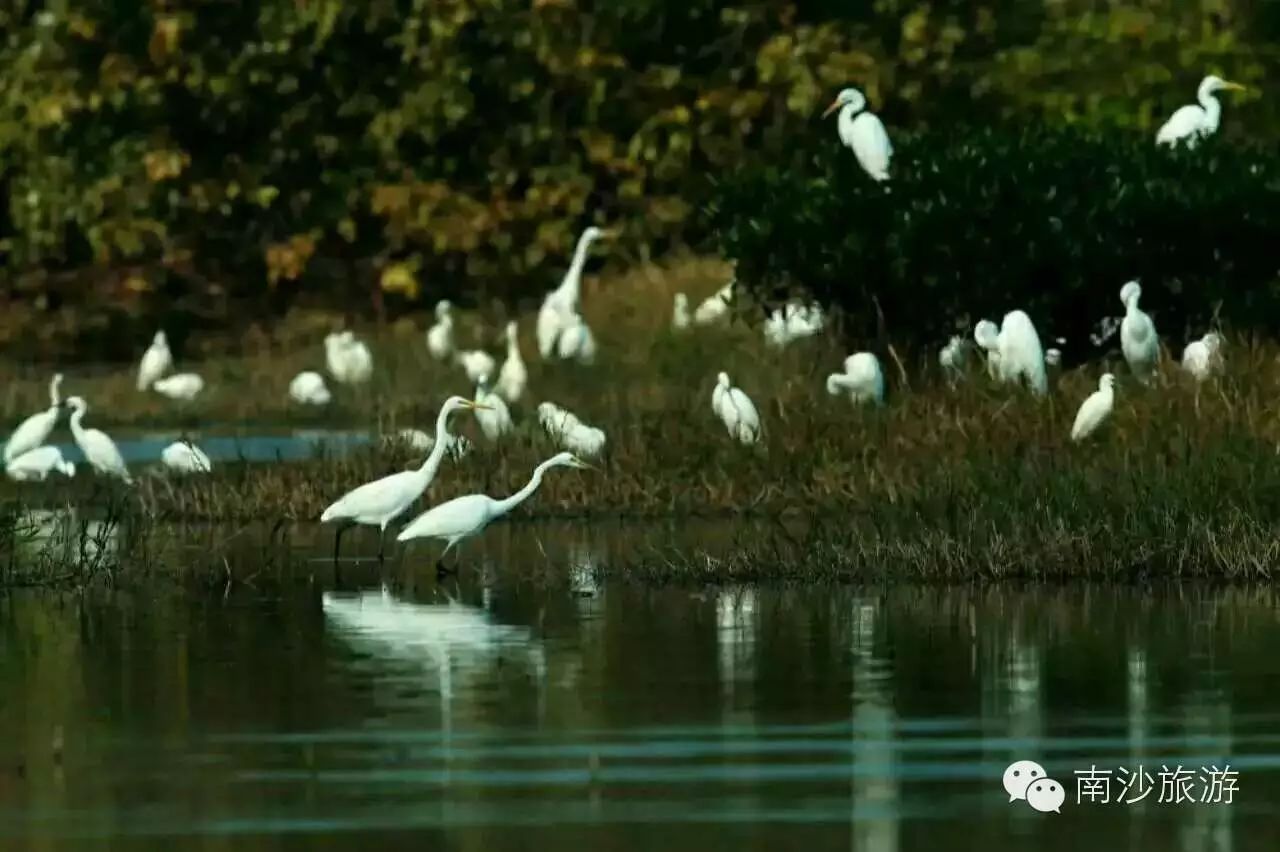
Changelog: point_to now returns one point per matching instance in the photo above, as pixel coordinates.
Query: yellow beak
(835, 105)
(610, 233)
(1235, 87)
(472, 404)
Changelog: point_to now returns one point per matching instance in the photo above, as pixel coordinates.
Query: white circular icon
(1020, 775)
(1046, 795)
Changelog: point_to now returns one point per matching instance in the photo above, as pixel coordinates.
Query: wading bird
(514, 376)
(440, 335)
(182, 386)
(1193, 122)
(33, 431)
(467, 516)
(476, 363)
(736, 410)
(569, 432)
(576, 342)
(380, 502)
(987, 335)
(156, 361)
(99, 450)
(862, 379)
(680, 318)
(951, 358)
(1017, 352)
(863, 132)
(349, 360)
(308, 388)
(561, 304)
(1138, 339)
(792, 323)
(35, 465)
(1202, 358)
(492, 414)
(715, 307)
(185, 457)
(1095, 409)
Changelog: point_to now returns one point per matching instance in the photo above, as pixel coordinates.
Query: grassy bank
(974, 480)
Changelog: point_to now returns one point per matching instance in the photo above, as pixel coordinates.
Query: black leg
(442, 570)
(382, 540)
(337, 540)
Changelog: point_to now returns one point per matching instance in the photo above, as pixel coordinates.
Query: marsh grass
(945, 481)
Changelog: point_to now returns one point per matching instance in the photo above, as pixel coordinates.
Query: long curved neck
(76, 429)
(571, 287)
(53, 391)
(432, 463)
(501, 507)
(513, 347)
(1212, 110)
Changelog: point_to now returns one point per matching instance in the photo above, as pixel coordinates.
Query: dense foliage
(975, 223)
(187, 155)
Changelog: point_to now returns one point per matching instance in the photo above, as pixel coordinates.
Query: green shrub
(978, 222)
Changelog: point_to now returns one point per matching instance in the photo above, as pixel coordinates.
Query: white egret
(33, 431)
(35, 465)
(99, 450)
(1015, 352)
(680, 318)
(185, 457)
(569, 432)
(183, 386)
(715, 307)
(156, 361)
(1202, 358)
(562, 303)
(492, 415)
(1193, 122)
(1138, 340)
(440, 335)
(863, 132)
(349, 360)
(466, 516)
(308, 388)
(576, 342)
(862, 379)
(793, 322)
(514, 376)
(736, 410)
(380, 502)
(952, 356)
(476, 363)
(416, 439)
(1053, 357)
(1095, 409)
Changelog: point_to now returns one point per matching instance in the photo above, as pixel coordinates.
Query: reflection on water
(502, 714)
(67, 535)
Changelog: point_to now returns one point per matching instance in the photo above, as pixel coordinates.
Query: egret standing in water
(862, 131)
(33, 431)
(156, 361)
(1193, 122)
(561, 304)
(1095, 409)
(736, 410)
(467, 516)
(380, 502)
(1138, 339)
(99, 450)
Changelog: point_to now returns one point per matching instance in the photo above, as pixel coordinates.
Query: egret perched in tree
(476, 363)
(156, 361)
(464, 517)
(1095, 409)
(380, 502)
(1138, 339)
(576, 342)
(1193, 122)
(561, 304)
(33, 431)
(715, 307)
(308, 388)
(1016, 349)
(183, 386)
(513, 376)
(35, 465)
(862, 379)
(492, 413)
(736, 410)
(185, 457)
(440, 335)
(680, 318)
(349, 360)
(1203, 357)
(99, 450)
(863, 131)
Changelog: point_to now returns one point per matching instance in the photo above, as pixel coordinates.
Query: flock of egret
(1013, 353)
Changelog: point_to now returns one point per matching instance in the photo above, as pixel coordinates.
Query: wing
(1088, 416)
(30, 434)
(1186, 121)
(870, 143)
(375, 499)
(548, 327)
(102, 451)
(457, 517)
(746, 409)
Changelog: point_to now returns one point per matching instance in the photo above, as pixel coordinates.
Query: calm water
(138, 448)
(542, 708)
